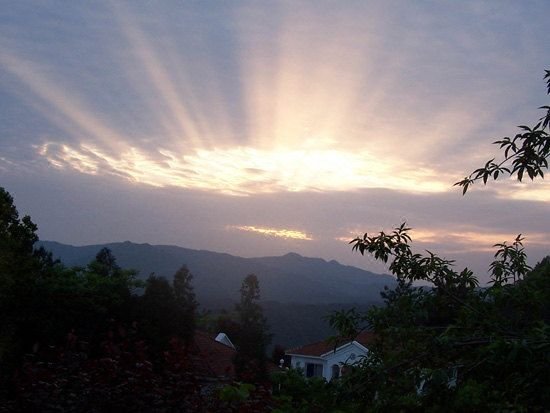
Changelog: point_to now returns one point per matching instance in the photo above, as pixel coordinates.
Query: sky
(258, 128)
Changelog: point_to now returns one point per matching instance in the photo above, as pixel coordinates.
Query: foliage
(238, 392)
(409, 267)
(29, 283)
(295, 393)
(526, 153)
(223, 322)
(253, 337)
(71, 338)
(445, 347)
(244, 397)
(185, 302)
(105, 264)
(16, 235)
(456, 346)
(166, 310)
(121, 377)
(511, 263)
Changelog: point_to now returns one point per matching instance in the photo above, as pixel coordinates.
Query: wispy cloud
(462, 241)
(245, 170)
(274, 232)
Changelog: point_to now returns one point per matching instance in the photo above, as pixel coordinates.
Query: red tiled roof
(322, 347)
(217, 358)
(213, 359)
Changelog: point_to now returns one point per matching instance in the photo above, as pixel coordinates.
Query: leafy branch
(411, 267)
(525, 154)
(510, 262)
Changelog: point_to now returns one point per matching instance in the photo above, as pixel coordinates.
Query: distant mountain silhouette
(290, 278)
(297, 292)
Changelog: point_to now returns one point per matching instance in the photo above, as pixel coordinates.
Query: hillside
(217, 277)
(297, 292)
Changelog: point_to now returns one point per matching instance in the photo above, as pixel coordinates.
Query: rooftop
(216, 357)
(322, 347)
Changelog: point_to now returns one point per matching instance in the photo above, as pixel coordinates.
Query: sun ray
(179, 124)
(77, 119)
(308, 107)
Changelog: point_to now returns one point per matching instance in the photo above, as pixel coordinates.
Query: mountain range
(217, 277)
(296, 291)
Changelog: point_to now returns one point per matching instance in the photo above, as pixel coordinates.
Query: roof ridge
(319, 348)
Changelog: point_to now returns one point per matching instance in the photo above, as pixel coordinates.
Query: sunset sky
(263, 127)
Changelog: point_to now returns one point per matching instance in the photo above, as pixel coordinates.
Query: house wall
(299, 362)
(343, 355)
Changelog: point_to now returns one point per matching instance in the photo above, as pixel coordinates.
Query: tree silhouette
(105, 263)
(526, 153)
(254, 338)
(185, 302)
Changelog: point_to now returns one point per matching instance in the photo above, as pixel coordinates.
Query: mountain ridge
(297, 292)
(290, 278)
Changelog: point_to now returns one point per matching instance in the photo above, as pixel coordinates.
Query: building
(324, 359)
(213, 357)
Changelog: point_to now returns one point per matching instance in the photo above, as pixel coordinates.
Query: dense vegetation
(95, 338)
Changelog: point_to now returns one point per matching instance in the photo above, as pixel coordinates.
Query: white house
(321, 359)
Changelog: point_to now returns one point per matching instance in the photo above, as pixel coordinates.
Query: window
(335, 371)
(314, 370)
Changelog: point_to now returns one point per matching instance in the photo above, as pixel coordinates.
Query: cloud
(245, 170)
(272, 99)
(536, 190)
(456, 239)
(274, 232)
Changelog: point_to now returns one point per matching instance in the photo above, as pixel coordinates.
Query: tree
(156, 312)
(26, 275)
(105, 263)
(526, 153)
(168, 310)
(97, 293)
(254, 337)
(185, 302)
(19, 270)
(18, 262)
(71, 338)
(455, 346)
(16, 235)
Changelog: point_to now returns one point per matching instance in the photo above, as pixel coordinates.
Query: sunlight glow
(290, 125)
(245, 170)
(275, 232)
